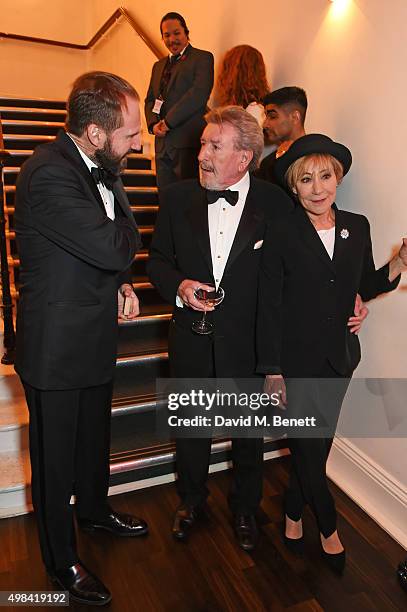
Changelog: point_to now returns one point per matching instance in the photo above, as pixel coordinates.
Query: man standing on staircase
(211, 231)
(76, 235)
(176, 101)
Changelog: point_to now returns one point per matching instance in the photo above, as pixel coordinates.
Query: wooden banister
(109, 23)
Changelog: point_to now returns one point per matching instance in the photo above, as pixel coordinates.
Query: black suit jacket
(305, 298)
(71, 255)
(185, 101)
(180, 249)
(266, 169)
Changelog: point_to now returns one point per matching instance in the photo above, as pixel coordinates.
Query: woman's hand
(398, 264)
(361, 311)
(275, 384)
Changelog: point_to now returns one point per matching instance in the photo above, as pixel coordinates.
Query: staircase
(139, 457)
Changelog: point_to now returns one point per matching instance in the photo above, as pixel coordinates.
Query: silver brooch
(344, 233)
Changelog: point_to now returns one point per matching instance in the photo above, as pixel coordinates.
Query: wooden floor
(210, 573)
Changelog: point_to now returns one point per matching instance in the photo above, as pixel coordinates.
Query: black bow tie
(100, 175)
(230, 196)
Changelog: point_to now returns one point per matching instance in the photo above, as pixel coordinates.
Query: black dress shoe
(123, 525)
(402, 574)
(185, 517)
(246, 531)
(82, 586)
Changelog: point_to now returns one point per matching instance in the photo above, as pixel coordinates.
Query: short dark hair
(294, 97)
(173, 15)
(97, 97)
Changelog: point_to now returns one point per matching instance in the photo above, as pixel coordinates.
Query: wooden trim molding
(109, 23)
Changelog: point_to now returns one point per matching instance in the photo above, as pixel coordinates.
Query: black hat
(308, 145)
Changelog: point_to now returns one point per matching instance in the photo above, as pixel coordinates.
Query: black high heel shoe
(294, 545)
(335, 561)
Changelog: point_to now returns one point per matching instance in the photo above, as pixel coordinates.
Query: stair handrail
(109, 23)
(9, 338)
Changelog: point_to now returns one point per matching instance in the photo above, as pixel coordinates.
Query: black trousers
(193, 454)
(69, 450)
(308, 482)
(179, 165)
(193, 457)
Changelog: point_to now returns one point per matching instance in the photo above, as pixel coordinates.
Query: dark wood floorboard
(210, 573)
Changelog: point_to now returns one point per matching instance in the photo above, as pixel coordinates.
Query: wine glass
(208, 298)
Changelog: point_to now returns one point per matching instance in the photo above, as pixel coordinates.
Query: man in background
(285, 110)
(76, 235)
(176, 102)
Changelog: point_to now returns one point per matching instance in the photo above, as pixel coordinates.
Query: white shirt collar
(181, 53)
(90, 164)
(242, 185)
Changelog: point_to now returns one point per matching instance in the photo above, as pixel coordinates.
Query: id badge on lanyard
(157, 106)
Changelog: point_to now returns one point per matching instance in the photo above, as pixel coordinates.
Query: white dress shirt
(106, 194)
(328, 239)
(223, 221)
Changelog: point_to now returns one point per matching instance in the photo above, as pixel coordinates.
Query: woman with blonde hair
(314, 263)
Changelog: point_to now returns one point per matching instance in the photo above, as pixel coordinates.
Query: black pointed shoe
(295, 545)
(118, 523)
(246, 531)
(83, 587)
(184, 519)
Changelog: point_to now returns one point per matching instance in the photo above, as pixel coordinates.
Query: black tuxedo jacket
(185, 101)
(305, 298)
(180, 249)
(71, 255)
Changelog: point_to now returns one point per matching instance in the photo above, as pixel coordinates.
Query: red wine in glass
(208, 298)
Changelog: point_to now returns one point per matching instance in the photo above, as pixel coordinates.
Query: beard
(208, 180)
(106, 158)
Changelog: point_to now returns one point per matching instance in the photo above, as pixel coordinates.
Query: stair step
(24, 126)
(15, 470)
(158, 460)
(11, 101)
(139, 178)
(137, 374)
(144, 402)
(28, 141)
(32, 114)
(146, 333)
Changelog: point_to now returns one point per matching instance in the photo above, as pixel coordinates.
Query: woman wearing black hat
(315, 261)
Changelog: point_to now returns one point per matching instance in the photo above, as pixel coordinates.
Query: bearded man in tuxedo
(76, 235)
